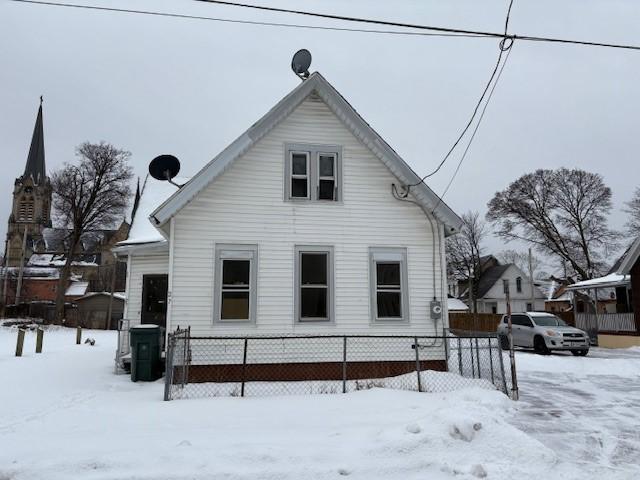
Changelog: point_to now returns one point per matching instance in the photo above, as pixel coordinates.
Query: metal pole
(459, 357)
(415, 340)
(244, 366)
(504, 377)
(478, 358)
(491, 359)
(168, 368)
(512, 355)
(473, 368)
(344, 364)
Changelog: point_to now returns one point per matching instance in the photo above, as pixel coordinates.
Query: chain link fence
(199, 366)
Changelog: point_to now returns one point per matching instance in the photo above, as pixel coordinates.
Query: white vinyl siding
(149, 264)
(245, 206)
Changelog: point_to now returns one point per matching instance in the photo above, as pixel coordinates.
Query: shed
(93, 308)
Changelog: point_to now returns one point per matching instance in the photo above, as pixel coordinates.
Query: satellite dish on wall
(165, 167)
(301, 62)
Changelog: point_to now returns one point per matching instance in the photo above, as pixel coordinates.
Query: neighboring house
(614, 322)
(292, 229)
(491, 289)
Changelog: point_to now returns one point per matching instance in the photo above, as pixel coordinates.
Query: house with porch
(616, 323)
(304, 225)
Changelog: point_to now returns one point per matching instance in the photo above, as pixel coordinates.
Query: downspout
(170, 279)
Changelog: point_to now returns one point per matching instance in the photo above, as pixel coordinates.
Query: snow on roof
(154, 193)
(454, 304)
(118, 295)
(610, 280)
(77, 289)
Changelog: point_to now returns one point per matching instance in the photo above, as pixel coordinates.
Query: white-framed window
(389, 284)
(313, 173)
(235, 286)
(299, 168)
(327, 167)
(314, 297)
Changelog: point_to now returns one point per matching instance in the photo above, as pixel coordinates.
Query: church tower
(31, 211)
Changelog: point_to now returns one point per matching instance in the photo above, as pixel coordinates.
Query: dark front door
(154, 299)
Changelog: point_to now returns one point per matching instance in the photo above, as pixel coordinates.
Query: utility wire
(245, 22)
(530, 38)
(473, 134)
(505, 44)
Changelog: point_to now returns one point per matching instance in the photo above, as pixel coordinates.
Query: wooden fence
(488, 322)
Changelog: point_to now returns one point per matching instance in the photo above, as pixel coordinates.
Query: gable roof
(630, 258)
(317, 84)
(489, 278)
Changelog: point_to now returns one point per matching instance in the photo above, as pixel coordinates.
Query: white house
(293, 229)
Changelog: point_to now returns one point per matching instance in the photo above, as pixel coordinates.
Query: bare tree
(560, 212)
(521, 260)
(633, 209)
(463, 254)
(90, 194)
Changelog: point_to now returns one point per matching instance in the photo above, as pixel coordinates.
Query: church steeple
(35, 161)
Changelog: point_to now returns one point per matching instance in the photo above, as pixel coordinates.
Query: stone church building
(36, 250)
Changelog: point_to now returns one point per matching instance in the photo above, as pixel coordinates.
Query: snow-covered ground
(64, 414)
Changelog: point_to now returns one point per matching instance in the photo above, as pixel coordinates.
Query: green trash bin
(145, 353)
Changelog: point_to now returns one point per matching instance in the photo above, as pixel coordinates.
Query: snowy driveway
(585, 409)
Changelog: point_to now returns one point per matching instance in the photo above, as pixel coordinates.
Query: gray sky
(157, 85)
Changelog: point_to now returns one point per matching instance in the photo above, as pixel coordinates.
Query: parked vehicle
(543, 332)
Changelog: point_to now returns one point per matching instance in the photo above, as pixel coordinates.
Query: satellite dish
(165, 167)
(301, 62)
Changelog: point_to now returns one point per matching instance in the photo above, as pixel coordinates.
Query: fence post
(473, 368)
(491, 359)
(39, 338)
(168, 368)
(244, 366)
(504, 377)
(478, 358)
(415, 340)
(460, 357)
(78, 335)
(20, 342)
(344, 364)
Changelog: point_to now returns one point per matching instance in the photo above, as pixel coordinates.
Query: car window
(521, 320)
(549, 321)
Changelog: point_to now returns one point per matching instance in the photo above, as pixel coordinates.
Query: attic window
(519, 284)
(313, 173)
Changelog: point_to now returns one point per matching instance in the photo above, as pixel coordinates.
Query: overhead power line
(423, 27)
(244, 22)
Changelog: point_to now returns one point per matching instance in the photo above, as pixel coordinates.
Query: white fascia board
(140, 248)
(427, 199)
(630, 258)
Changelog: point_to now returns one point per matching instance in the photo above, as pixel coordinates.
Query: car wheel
(540, 347)
(504, 342)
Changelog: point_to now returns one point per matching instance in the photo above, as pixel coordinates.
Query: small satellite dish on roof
(165, 167)
(301, 62)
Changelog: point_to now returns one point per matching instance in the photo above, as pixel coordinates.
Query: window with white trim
(313, 173)
(519, 284)
(314, 284)
(235, 283)
(389, 285)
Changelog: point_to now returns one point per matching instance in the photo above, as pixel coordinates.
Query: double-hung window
(313, 173)
(314, 284)
(389, 289)
(299, 168)
(235, 283)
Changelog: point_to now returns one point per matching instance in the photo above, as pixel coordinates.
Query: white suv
(543, 332)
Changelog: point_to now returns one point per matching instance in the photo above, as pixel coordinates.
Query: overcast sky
(156, 85)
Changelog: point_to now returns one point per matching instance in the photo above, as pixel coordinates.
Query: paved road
(585, 409)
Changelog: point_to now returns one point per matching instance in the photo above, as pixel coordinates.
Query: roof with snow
(77, 289)
(454, 304)
(153, 193)
(316, 83)
(116, 295)
(630, 258)
(611, 280)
